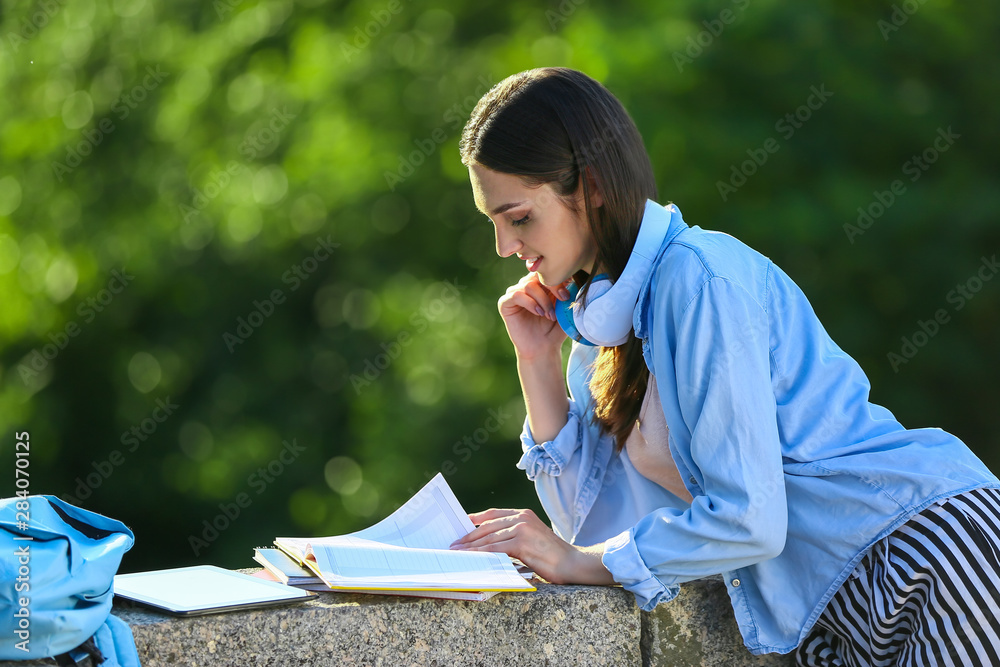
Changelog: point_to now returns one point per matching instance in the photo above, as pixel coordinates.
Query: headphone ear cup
(566, 317)
(587, 321)
(571, 315)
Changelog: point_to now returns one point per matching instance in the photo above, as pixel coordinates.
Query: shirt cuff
(623, 561)
(549, 457)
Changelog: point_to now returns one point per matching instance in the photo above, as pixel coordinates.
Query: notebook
(203, 589)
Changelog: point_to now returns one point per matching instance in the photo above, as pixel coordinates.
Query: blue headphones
(605, 319)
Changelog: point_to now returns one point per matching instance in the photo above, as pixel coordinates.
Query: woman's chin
(547, 279)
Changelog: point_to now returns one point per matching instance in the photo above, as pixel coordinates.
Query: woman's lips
(532, 264)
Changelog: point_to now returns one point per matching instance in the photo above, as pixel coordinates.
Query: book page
(349, 561)
(432, 519)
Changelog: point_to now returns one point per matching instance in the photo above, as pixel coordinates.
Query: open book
(280, 567)
(407, 552)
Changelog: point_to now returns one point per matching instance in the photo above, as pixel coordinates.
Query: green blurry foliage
(169, 173)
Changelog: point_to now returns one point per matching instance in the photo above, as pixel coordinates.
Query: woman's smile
(531, 262)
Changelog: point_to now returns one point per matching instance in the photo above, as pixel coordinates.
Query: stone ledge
(698, 628)
(596, 626)
(556, 625)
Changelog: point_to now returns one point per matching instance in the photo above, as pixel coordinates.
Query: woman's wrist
(540, 355)
(544, 392)
(588, 568)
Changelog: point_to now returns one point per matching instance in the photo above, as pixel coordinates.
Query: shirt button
(692, 479)
(736, 583)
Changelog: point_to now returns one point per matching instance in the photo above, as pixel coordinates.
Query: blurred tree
(244, 290)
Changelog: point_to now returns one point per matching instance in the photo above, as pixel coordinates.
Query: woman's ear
(596, 198)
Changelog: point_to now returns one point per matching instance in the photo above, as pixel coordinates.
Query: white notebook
(203, 589)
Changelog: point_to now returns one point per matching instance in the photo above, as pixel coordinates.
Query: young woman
(712, 425)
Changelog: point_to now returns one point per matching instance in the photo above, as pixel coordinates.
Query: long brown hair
(557, 125)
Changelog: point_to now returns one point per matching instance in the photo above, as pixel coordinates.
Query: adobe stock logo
(34, 24)
(566, 9)
(263, 309)
(381, 17)
(229, 512)
(454, 116)
(696, 44)
(959, 296)
(898, 18)
(915, 167)
(38, 359)
(259, 140)
(92, 138)
(88, 482)
(786, 126)
(429, 312)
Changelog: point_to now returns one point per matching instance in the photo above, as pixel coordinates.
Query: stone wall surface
(556, 625)
(698, 628)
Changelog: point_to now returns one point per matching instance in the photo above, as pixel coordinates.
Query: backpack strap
(78, 656)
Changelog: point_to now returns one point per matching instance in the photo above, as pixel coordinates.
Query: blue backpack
(57, 567)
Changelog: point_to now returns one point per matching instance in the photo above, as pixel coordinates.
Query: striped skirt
(928, 594)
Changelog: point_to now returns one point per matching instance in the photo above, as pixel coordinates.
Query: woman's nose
(507, 243)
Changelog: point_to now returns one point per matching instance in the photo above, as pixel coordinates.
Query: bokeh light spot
(343, 474)
(61, 279)
(77, 110)
(10, 195)
(195, 441)
(144, 372)
(362, 502)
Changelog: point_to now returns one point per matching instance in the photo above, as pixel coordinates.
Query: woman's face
(535, 224)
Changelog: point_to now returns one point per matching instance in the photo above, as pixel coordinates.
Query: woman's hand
(528, 312)
(522, 535)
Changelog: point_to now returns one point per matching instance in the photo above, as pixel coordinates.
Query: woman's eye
(520, 221)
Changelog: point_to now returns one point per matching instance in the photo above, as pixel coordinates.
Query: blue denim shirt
(794, 473)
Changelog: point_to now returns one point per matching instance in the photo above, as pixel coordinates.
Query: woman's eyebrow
(506, 207)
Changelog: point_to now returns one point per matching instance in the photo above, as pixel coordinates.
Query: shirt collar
(676, 226)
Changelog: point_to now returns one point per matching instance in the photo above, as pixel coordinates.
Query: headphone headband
(606, 317)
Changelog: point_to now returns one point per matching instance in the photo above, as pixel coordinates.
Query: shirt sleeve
(568, 470)
(716, 348)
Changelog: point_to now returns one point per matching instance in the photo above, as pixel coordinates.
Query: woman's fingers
(492, 521)
(486, 541)
(501, 528)
(522, 535)
(559, 292)
(489, 522)
(507, 545)
(492, 513)
(542, 297)
(521, 299)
